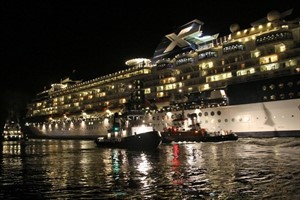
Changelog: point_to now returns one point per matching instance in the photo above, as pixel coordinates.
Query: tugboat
(180, 131)
(129, 131)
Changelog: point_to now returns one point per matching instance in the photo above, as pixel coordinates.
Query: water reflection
(248, 168)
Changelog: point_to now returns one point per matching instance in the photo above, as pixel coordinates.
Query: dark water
(70, 169)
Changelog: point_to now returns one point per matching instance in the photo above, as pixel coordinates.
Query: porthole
(273, 97)
(226, 120)
(290, 84)
(281, 96)
(219, 112)
(206, 114)
(291, 94)
(265, 98)
(280, 85)
(212, 113)
(206, 121)
(200, 114)
(232, 119)
(219, 120)
(264, 88)
(272, 86)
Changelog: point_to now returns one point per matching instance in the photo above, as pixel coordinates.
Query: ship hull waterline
(268, 119)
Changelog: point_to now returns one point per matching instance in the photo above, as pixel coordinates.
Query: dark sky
(44, 41)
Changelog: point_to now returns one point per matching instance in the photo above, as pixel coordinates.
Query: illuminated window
(122, 100)
(290, 63)
(256, 54)
(282, 48)
(147, 91)
(273, 97)
(265, 98)
(160, 94)
(160, 88)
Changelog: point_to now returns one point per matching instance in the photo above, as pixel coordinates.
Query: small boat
(180, 132)
(220, 138)
(130, 132)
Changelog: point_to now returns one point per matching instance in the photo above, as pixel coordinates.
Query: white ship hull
(85, 129)
(268, 119)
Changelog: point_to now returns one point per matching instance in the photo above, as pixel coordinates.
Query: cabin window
(219, 112)
(264, 88)
(212, 113)
(290, 84)
(219, 120)
(206, 114)
(272, 86)
(200, 114)
(226, 120)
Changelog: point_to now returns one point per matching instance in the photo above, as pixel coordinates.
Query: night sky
(45, 41)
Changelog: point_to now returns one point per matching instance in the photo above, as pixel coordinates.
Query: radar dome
(234, 28)
(273, 15)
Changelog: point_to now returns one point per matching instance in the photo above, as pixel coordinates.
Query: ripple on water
(247, 169)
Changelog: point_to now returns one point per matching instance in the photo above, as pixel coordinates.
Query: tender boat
(179, 131)
(130, 132)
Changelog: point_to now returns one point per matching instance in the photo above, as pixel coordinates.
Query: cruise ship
(12, 130)
(247, 82)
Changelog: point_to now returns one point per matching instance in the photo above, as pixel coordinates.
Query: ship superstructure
(247, 82)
